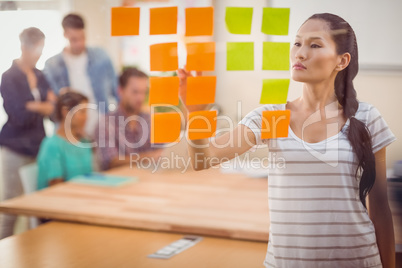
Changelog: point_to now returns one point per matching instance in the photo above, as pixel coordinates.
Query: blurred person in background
(27, 100)
(67, 153)
(87, 69)
(127, 130)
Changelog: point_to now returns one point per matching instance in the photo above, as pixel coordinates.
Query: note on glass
(164, 90)
(240, 56)
(274, 91)
(275, 56)
(201, 56)
(275, 21)
(202, 124)
(163, 20)
(199, 21)
(165, 127)
(164, 57)
(125, 21)
(200, 90)
(275, 124)
(238, 20)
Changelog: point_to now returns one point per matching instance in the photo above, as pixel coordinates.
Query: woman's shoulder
(367, 112)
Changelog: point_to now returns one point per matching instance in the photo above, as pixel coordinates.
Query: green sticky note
(240, 56)
(238, 20)
(274, 91)
(275, 56)
(275, 21)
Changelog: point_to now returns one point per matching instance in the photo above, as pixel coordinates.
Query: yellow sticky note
(275, 56)
(275, 124)
(275, 21)
(165, 127)
(202, 124)
(164, 90)
(125, 21)
(200, 90)
(163, 20)
(164, 57)
(240, 56)
(201, 56)
(274, 91)
(238, 20)
(199, 21)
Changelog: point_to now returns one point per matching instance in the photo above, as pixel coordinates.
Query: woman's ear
(344, 61)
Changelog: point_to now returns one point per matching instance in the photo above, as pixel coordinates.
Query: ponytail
(357, 132)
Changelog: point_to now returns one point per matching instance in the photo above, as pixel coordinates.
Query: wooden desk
(206, 202)
(69, 245)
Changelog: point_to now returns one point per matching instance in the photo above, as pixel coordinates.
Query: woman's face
(313, 56)
(32, 53)
(79, 116)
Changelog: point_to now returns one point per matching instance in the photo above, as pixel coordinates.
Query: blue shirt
(23, 131)
(58, 158)
(100, 71)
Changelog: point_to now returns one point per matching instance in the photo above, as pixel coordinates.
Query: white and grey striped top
(316, 217)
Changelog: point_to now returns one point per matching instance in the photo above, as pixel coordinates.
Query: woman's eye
(297, 44)
(315, 46)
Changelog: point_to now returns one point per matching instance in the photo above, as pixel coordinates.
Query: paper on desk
(103, 180)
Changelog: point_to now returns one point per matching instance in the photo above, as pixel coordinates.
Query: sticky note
(164, 90)
(238, 20)
(163, 20)
(274, 91)
(164, 57)
(200, 90)
(202, 124)
(240, 56)
(275, 21)
(275, 124)
(275, 56)
(165, 127)
(199, 21)
(201, 56)
(125, 21)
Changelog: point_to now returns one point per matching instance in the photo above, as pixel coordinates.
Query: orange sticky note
(199, 21)
(163, 20)
(164, 90)
(200, 90)
(164, 57)
(202, 124)
(275, 124)
(165, 127)
(125, 21)
(201, 56)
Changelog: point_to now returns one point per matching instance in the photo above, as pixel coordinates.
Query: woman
(67, 153)
(318, 215)
(27, 98)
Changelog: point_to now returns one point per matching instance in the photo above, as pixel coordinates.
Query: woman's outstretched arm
(380, 213)
(205, 153)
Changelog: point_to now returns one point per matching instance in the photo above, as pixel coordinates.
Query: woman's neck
(318, 96)
(76, 135)
(24, 65)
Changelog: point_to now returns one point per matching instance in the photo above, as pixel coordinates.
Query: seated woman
(67, 153)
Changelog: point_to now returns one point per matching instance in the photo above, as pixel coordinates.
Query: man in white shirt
(87, 70)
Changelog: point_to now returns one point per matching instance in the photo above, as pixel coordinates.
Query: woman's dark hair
(357, 132)
(31, 36)
(73, 21)
(69, 99)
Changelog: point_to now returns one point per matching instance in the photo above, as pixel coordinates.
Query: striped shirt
(316, 216)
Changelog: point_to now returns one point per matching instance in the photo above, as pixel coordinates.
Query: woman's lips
(299, 66)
